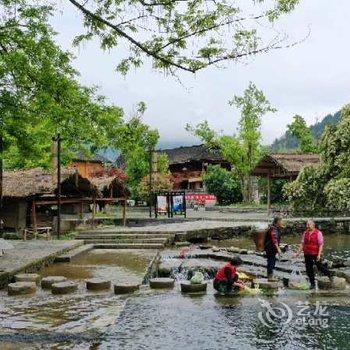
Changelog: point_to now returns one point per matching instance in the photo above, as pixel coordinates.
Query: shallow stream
(170, 320)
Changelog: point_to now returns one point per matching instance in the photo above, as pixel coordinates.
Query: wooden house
(187, 165)
(89, 166)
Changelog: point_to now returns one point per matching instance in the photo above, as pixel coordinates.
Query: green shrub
(224, 184)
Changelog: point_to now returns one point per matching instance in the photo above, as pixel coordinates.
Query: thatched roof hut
(40, 182)
(111, 187)
(284, 165)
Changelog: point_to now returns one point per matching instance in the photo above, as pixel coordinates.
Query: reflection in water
(71, 271)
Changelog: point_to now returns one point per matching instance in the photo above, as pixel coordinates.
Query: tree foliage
(183, 34)
(224, 184)
(302, 133)
(243, 150)
(40, 95)
(160, 182)
(325, 186)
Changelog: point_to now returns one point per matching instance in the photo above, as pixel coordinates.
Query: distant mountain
(289, 143)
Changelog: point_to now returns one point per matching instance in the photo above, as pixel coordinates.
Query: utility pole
(150, 180)
(58, 141)
(1, 171)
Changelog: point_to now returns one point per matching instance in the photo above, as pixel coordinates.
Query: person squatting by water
(271, 245)
(226, 279)
(312, 245)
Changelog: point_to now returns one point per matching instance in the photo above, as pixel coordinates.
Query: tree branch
(201, 31)
(92, 15)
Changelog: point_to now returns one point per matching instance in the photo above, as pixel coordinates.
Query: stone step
(98, 284)
(137, 231)
(128, 246)
(136, 241)
(64, 287)
(161, 283)
(21, 288)
(67, 257)
(28, 277)
(123, 235)
(126, 288)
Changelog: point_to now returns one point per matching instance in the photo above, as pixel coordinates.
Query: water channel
(168, 319)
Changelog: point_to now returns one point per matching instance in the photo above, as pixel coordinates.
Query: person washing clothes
(312, 245)
(272, 248)
(226, 279)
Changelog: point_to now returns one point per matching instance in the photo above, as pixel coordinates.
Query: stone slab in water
(21, 288)
(161, 283)
(64, 287)
(187, 287)
(28, 277)
(336, 283)
(343, 272)
(264, 283)
(125, 288)
(182, 244)
(98, 284)
(47, 282)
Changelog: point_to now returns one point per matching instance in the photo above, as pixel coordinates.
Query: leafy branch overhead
(184, 35)
(40, 96)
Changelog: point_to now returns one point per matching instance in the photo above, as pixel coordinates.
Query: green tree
(302, 133)
(244, 149)
(224, 184)
(40, 96)
(137, 141)
(324, 187)
(183, 34)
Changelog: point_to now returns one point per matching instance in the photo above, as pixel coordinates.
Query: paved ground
(135, 213)
(27, 254)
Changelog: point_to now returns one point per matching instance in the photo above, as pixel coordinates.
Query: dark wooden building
(188, 165)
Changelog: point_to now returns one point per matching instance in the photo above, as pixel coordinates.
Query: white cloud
(311, 79)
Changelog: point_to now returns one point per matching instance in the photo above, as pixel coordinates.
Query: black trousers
(310, 261)
(271, 263)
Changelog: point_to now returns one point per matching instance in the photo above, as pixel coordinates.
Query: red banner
(200, 198)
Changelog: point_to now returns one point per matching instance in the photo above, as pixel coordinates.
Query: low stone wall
(292, 227)
(222, 209)
(326, 225)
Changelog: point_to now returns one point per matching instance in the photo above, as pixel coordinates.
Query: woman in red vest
(226, 279)
(312, 246)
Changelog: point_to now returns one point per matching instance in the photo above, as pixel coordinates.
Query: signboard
(170, 203)
(162, 205)
(178, 204)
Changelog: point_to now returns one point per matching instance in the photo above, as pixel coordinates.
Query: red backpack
(259, 238)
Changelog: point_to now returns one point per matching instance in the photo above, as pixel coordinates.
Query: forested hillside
(288, 142)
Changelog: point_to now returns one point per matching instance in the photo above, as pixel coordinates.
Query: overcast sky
(311, 79)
